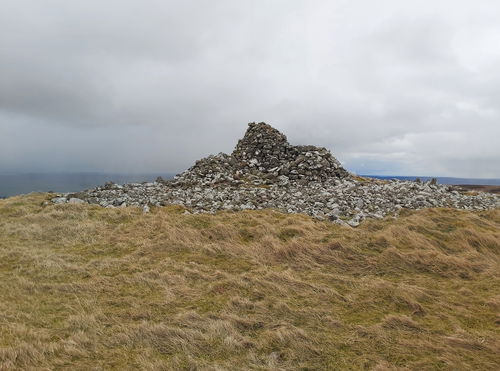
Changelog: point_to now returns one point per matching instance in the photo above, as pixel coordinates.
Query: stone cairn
(265, 171)
(264, 156)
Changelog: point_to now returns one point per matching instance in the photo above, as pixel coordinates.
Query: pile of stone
(265, 171)
(264, 156)
(265, 151)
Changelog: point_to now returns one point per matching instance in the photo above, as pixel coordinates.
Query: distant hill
(442, 180)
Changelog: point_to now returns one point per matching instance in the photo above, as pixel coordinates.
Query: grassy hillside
(84, 287)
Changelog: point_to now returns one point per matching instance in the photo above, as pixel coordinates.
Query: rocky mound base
(265, 171)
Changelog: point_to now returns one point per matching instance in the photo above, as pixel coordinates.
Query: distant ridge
(441, 180)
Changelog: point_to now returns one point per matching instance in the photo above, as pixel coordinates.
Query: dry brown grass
(84, 287)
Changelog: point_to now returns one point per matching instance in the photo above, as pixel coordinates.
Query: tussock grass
(90, 288)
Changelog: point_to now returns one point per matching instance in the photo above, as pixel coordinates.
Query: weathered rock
(59, 200)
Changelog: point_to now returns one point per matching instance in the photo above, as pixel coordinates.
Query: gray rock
(359, 204)
(354, 222)
(59, 200)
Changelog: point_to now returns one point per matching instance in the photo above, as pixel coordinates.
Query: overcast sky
(390, 86)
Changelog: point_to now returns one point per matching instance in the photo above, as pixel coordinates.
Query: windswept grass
(84, 287)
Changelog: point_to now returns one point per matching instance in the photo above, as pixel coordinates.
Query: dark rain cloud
(150, 86)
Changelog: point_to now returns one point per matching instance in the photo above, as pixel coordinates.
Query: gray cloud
(151, 86)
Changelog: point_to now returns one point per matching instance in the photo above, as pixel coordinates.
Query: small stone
(353, 223)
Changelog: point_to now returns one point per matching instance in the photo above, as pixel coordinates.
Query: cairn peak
(267, 150)
(259, 142)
